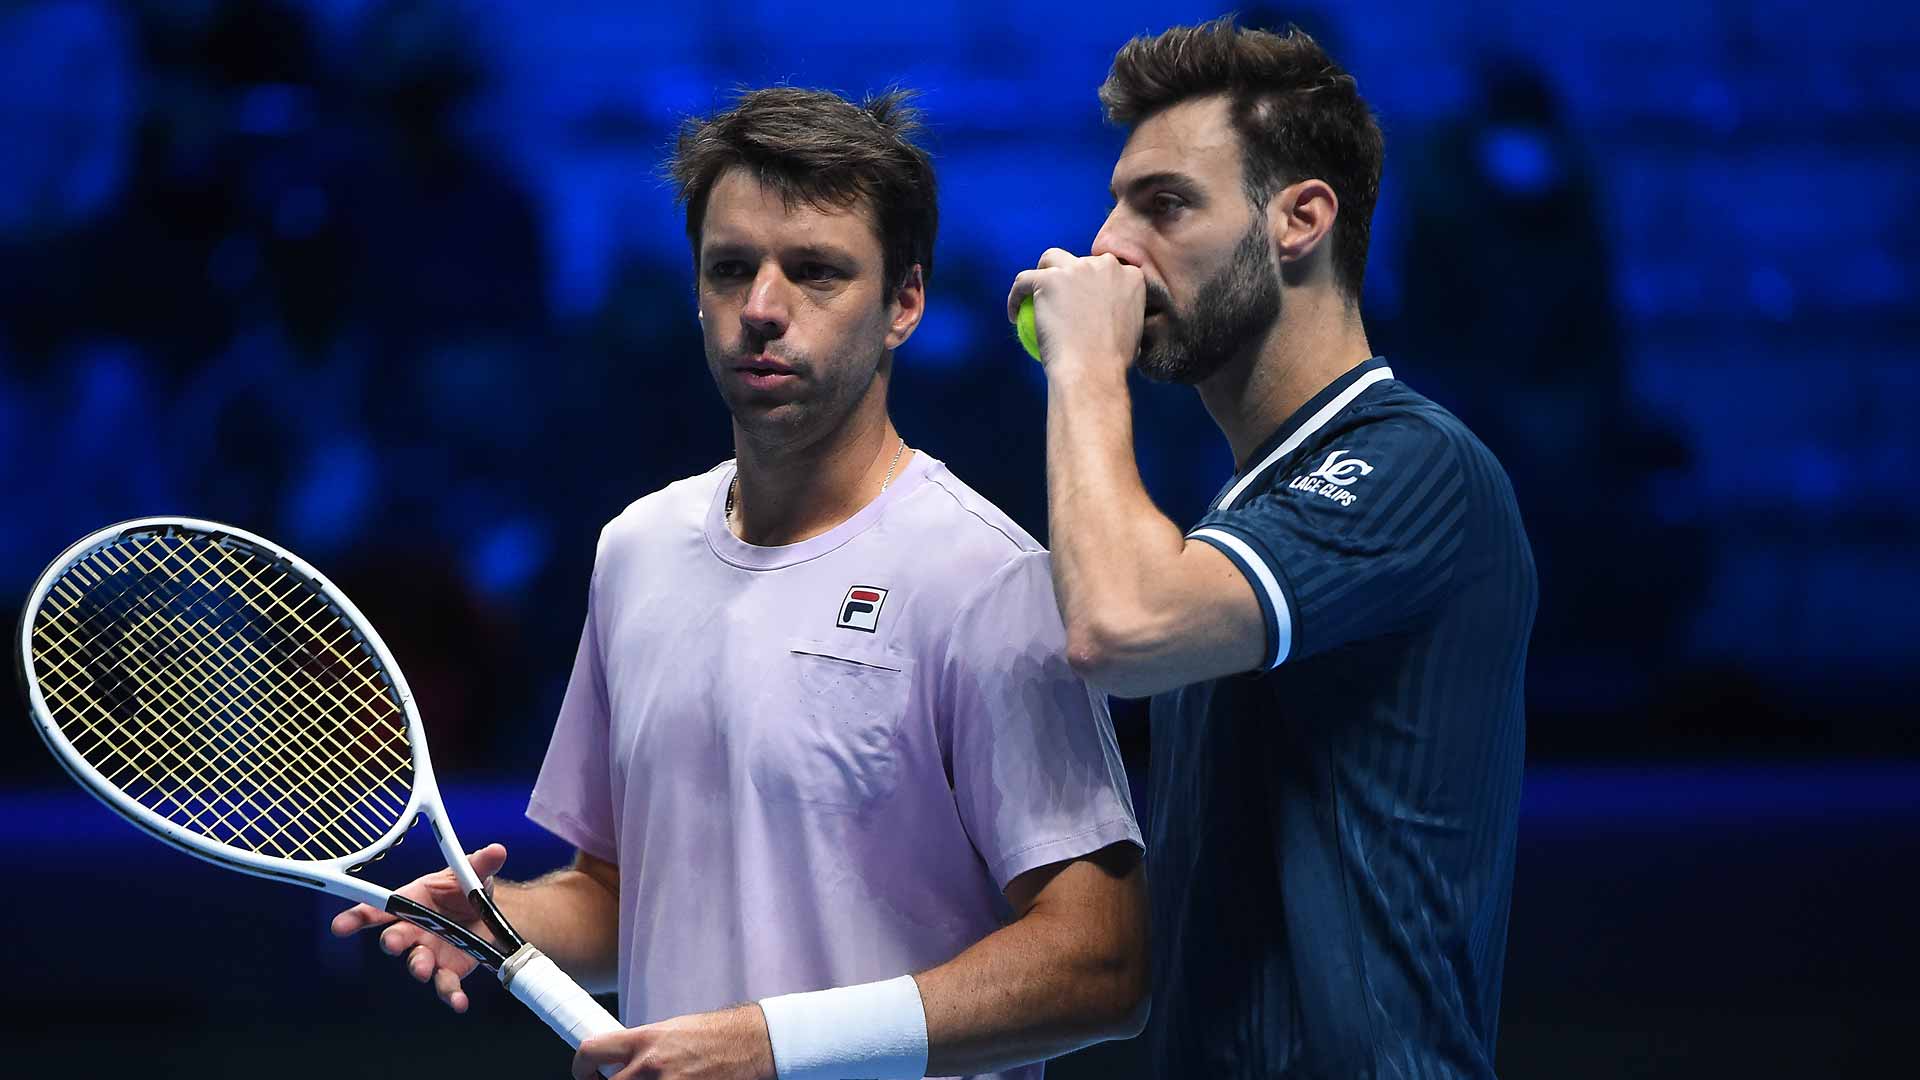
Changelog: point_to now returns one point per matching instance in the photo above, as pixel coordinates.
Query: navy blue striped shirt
(1332, 838)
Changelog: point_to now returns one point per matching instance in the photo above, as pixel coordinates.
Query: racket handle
(535, 979)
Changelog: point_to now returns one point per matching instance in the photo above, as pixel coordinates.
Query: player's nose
(1116, 238)
(767, 311)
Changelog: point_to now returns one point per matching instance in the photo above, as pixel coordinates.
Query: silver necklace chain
(733, 486)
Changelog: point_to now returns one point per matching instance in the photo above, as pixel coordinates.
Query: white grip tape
(535, 979)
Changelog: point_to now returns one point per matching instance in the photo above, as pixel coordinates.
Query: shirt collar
(1301, 426)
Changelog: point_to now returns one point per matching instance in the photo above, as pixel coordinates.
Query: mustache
(1158, 299)
(748, 351)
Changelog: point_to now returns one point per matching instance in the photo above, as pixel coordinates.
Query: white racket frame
(531, 976)
(332, 876)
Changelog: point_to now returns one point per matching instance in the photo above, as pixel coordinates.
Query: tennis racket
(221, 694)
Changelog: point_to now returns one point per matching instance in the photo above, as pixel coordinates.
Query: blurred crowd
(261, 274)
(261, 266)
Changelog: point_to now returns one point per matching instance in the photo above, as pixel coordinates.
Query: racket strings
(248, 802)
(226, 694)
(313, 607)
(333, 779)
(155, 681)
(276, 758)
(195, 759)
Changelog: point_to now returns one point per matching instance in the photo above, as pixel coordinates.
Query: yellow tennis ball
(1023, 326)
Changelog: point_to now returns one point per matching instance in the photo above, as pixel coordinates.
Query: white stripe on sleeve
(1264, 580)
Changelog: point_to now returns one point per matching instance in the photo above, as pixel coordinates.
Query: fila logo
(861, 609)
(1333, 477)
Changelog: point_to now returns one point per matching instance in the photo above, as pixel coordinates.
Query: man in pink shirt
(822, 750)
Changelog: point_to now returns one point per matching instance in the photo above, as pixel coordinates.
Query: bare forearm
(1108, 539)
(993, 1007)
(1058, 978)
(1145, 609)
(571, 917)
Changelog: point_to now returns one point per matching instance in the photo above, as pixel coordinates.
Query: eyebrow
(1164, 178)
(821, 252)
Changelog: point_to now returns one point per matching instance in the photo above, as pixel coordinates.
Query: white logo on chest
(1333, 477)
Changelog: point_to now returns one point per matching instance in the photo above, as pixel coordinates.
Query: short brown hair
(817, 146)
(1297, 113)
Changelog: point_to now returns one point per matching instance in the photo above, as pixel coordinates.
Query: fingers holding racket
(427, 956)
(439, 890)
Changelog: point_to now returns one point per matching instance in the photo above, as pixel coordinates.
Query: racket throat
(483, 951)
(510, 941)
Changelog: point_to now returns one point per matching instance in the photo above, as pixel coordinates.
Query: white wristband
(876, 1030)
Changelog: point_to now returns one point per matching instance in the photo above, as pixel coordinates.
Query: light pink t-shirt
(820, 764)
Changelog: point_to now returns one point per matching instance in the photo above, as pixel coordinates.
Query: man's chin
(1154, 372)
(1152, 359)
(765, 415)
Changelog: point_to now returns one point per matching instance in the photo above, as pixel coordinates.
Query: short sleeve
(573, 796)
(1361, 539)
(1037, 774)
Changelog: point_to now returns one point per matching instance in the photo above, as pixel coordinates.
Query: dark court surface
(1668, 921)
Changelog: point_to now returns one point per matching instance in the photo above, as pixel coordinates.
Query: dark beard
(1231, 313)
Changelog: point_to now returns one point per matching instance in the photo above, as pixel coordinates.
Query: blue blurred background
(396, 282)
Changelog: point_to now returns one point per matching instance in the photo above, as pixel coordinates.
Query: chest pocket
(834, 744)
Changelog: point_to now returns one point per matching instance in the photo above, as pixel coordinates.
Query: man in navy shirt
(1336, 649)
